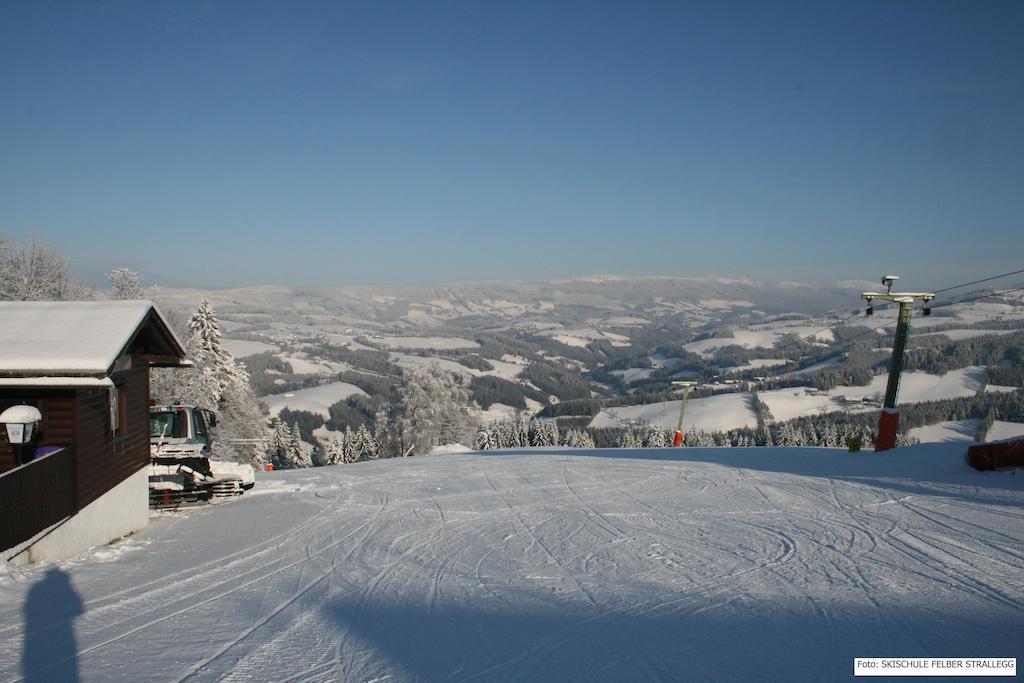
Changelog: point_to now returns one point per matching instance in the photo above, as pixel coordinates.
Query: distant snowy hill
(546, 565)
(612, 298)
(527, 345)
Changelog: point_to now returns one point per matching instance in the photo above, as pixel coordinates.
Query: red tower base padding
(677, 440)
(887, 425)
(993, 456)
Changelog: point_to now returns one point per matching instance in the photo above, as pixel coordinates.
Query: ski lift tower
(677, 440)
(890, 418)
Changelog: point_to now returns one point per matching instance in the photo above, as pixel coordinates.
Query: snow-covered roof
(56, 382)
(68, 338)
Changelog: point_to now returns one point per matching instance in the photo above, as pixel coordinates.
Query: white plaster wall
(117, 513)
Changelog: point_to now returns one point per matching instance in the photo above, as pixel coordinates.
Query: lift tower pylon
(677, 439)
(890, 417)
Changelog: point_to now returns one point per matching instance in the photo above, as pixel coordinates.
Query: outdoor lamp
(20, 421)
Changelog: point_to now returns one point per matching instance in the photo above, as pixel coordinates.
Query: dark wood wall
(33, 498)
(104, 459)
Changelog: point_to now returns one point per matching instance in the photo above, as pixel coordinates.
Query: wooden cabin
(85, 366)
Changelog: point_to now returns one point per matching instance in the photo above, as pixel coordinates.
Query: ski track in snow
(554, 565)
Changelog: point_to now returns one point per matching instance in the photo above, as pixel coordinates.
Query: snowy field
(700, 564)
(922, 386)
(426, 343)
(950, 430)
(960, 335)
(314, 400)
(915, 387)
(715, 413)
(582, 337)
(502, 369)
(1004, 430)
(302, 364)
(749, 339)
(240, 348)
(633, 374)
(965, 430)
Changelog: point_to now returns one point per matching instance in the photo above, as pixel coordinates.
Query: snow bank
(450, 448)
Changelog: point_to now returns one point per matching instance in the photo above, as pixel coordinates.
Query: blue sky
(219, 144)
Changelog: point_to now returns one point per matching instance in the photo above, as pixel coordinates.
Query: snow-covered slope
(314, 400)
(715, 413)
(697, 564)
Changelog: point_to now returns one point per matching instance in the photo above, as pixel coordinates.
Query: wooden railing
(36, 496)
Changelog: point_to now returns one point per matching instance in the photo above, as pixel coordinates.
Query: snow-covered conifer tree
(334, 454)
(484, 440)
(628, 437)
(654, 437)
(578, 438)
(382, 434)
(553, 437)
(297, 453)
(352, 447)
(542, 434)
(501, 434)
(521, 430)
(282, 455)
(368, 447)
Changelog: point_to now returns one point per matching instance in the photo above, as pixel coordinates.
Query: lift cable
(839, 345)
(967, 284)
(936, 291)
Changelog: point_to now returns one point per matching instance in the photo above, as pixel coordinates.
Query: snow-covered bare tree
(125, 284)
(382, 435)
(37, 272)
(434, 409)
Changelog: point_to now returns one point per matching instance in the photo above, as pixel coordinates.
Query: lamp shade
(20, 421)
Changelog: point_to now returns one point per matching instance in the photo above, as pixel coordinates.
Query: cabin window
(118, 408)
(115, 409)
